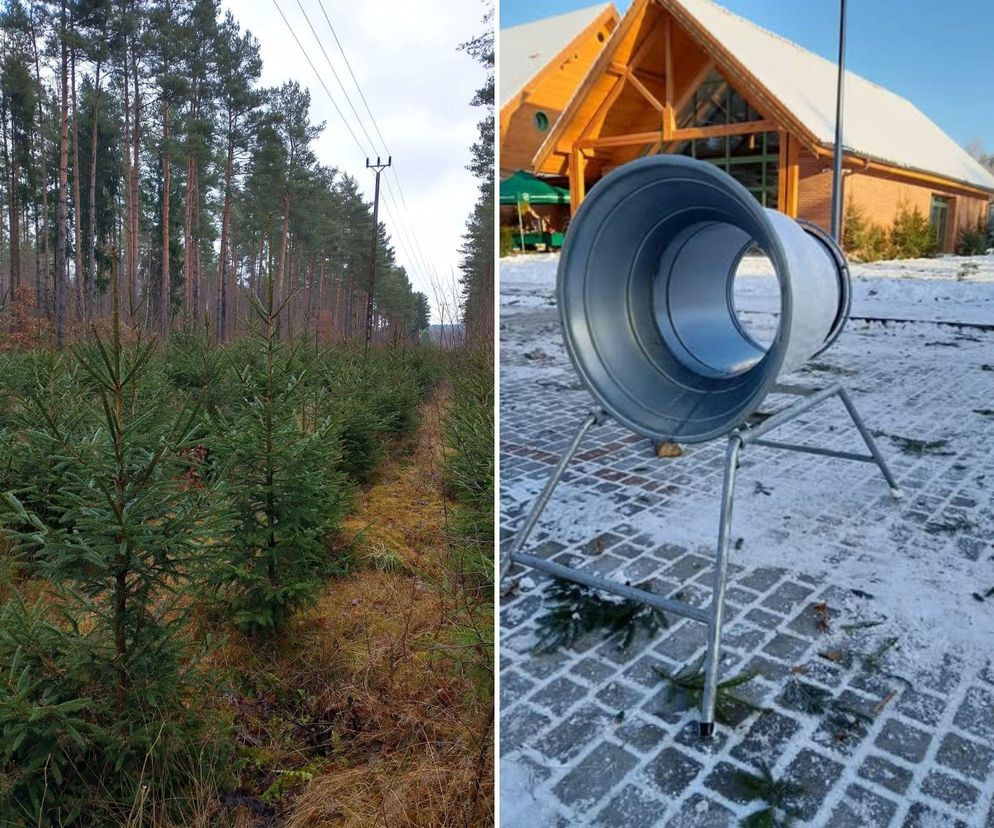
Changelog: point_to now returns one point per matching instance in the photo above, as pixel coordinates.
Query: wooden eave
(632, 17)
(918, 176)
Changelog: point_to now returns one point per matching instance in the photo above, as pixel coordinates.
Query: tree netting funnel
(645, 293)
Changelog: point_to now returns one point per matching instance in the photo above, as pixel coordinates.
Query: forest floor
(361, 716)
(866, 622)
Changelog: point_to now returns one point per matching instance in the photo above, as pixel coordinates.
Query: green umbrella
(523, 187)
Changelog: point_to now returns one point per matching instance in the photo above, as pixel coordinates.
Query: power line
(410, 238)
(406, 237)
(348, 65)
(341, 86)
(372, 119)
(318, 76)
(413, 259)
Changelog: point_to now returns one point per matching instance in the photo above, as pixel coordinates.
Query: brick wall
(880, 196)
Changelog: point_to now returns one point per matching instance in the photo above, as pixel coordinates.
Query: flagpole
(839, 98)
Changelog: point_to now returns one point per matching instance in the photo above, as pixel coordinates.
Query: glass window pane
(708, 148)
(715, 102)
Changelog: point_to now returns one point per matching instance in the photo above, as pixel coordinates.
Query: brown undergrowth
(358, 715)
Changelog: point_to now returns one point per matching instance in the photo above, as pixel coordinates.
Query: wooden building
(541, 66)
(689, 77)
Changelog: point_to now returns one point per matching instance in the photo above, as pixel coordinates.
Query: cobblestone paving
(596, 726)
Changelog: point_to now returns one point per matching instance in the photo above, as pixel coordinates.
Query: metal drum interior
(645, 289)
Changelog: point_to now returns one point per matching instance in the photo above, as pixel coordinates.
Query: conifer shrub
(344, 381)
(972, 240)
(372, 397)
(398, 381)
(911, 236)
(469, 466)
(40, 381)
(284, 485)
(863, 240)
(506, 241)
(187, 362)
(44, 727)
(115, 545)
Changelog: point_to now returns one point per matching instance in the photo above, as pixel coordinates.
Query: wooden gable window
(715, 103)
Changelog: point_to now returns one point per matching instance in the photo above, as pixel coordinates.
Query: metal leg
(714, 615)
(871, 444)
(521, 538)
(718, 590)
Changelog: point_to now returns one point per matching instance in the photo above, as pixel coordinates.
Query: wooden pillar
(577, 184)
(788, 177)
(793, 175)
(782, 173)
(669, 116)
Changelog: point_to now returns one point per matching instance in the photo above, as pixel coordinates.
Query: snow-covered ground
(949, 288)
(918, 570)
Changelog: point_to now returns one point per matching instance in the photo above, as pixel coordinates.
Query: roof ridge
(799, 47)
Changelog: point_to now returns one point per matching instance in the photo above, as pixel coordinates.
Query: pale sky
(418, 86)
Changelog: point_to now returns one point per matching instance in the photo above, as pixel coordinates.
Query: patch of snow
(521, 803)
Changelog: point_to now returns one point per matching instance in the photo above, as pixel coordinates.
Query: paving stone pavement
(596, 725)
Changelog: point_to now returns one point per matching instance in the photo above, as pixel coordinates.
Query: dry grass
(358, 716)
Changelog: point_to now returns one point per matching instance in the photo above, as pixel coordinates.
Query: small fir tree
(911, 235)
(972, 239)
(284, 484)
(117, 542)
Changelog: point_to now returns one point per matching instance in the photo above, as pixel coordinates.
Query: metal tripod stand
(738, 439)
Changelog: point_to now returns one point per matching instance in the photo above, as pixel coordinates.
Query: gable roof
(527, 49)
(878, 124)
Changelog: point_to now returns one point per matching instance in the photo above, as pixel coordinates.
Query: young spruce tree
(109, 657)
(284, 485)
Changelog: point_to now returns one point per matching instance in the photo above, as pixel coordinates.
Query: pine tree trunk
(41, 276)
(129, 192)
(12, 209)
(222, 262)
(187, 219)
(195, 242)
(136, 197)
(61, 281)
(91, 286)
(282, 264)
(77, 209)
(165, 288)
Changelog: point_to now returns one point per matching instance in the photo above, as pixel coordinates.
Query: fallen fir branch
(861, 625)
(816, 701)
(950, 526)
(688, 681)
(911, 445)
(576, 610)
(880, 705)
(872, 662)
(775, 794)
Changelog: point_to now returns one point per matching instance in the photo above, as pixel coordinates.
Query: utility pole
(379, 166)
(839, 97)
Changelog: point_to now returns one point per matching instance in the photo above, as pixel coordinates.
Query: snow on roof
(526, 49)
(878, 124)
